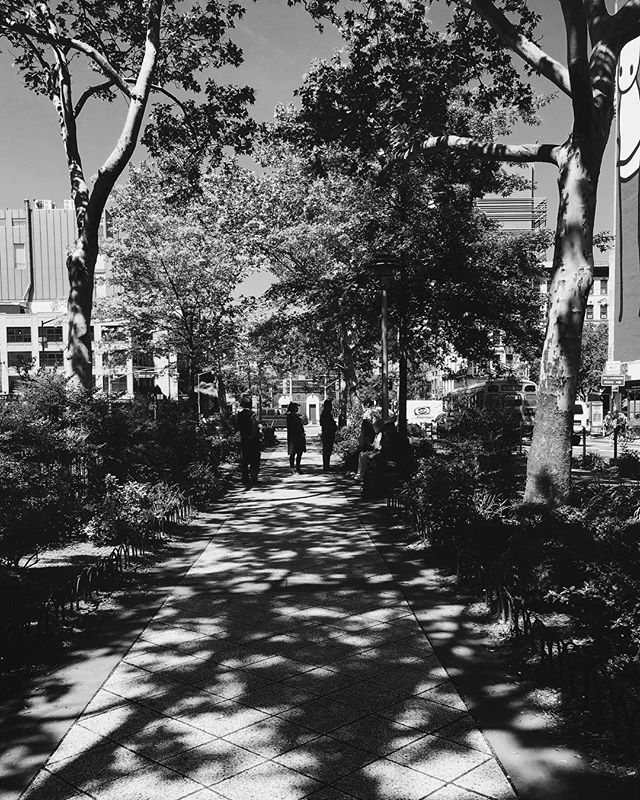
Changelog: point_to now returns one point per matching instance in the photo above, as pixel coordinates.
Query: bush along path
(566, 580)
(285, 665)
(28, 623)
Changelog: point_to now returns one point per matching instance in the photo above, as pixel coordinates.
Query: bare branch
(98, 58)
(575, 21)
(89, 93)
(112, 168)
(520, 153)
(530, 53)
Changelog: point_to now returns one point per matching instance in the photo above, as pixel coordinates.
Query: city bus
(501, 393)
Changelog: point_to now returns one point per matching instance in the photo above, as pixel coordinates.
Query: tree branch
(89, 93)
(627, 23)
(65, 44)
(575, 21)
(112, 168)
(64, 105)
(533, 55)
(98, 58)
(546, 153)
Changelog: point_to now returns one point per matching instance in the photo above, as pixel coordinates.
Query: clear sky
(279, 43)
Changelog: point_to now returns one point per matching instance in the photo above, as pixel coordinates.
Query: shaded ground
(286, 664)
(37, 707)
(508, 709)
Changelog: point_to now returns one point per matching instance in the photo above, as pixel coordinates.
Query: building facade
(34, 242)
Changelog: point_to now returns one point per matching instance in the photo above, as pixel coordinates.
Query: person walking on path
(296, 439)
(329, 428)
(249, 428)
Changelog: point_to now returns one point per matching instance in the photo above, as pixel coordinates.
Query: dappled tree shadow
(506, 708)
(286, 662)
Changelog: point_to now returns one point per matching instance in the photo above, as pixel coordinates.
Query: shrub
(39, 506)
(347, 444)
(206, 483)
(628, 464)
(123, 510)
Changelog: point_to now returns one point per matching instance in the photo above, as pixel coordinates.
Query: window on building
(113, 333)
(508, 358)
(19, 360)
(603, 311)
(115, 385)
(21, 334)
(51, 333)
(604, 286)
(114, 359)
(52, 358)
(497, 338)
(589, 312)
(143, 360)
(19, 256)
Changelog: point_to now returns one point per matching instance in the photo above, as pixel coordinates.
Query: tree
(175, 270)
(595, 39)
(133, 48)
(318, 232)
(482, 38)
(595, 348)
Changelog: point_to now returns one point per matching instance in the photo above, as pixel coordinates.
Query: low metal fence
(27, 619)
(566, 662)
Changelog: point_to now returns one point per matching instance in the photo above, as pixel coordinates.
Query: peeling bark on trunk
(549, 463)
(81, 263)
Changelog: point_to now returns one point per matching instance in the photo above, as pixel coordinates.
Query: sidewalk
(286, 665)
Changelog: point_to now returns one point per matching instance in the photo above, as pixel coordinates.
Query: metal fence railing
(24, 618)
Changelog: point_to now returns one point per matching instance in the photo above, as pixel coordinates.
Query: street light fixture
(42, 337)
(384, 266)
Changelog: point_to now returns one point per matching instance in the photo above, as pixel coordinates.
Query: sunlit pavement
(286, 665)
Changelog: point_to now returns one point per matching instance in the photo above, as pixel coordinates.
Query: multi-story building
(34, 242)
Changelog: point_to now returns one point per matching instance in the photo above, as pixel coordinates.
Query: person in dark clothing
(328, 427)
(392, 461)
(249, 428)
(296, 439)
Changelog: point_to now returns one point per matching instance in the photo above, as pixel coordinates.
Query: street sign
(612, 380)
(613, 368)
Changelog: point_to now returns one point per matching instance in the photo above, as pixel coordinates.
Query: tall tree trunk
(222, 391)
(351, 392)
(81, 264)
(549, 463)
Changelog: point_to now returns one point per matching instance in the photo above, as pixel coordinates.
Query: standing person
(296, 439)
(249, 428)
(329, 427)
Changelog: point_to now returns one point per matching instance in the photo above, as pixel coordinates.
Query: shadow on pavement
(284, 665)
(540, 764)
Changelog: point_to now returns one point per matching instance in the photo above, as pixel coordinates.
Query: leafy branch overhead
(157, 53)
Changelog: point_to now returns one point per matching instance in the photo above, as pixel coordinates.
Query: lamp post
(383, 266)
(43, 337)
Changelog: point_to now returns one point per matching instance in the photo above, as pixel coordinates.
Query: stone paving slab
(287, 665)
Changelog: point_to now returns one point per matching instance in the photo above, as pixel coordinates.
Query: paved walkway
(286, 665)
